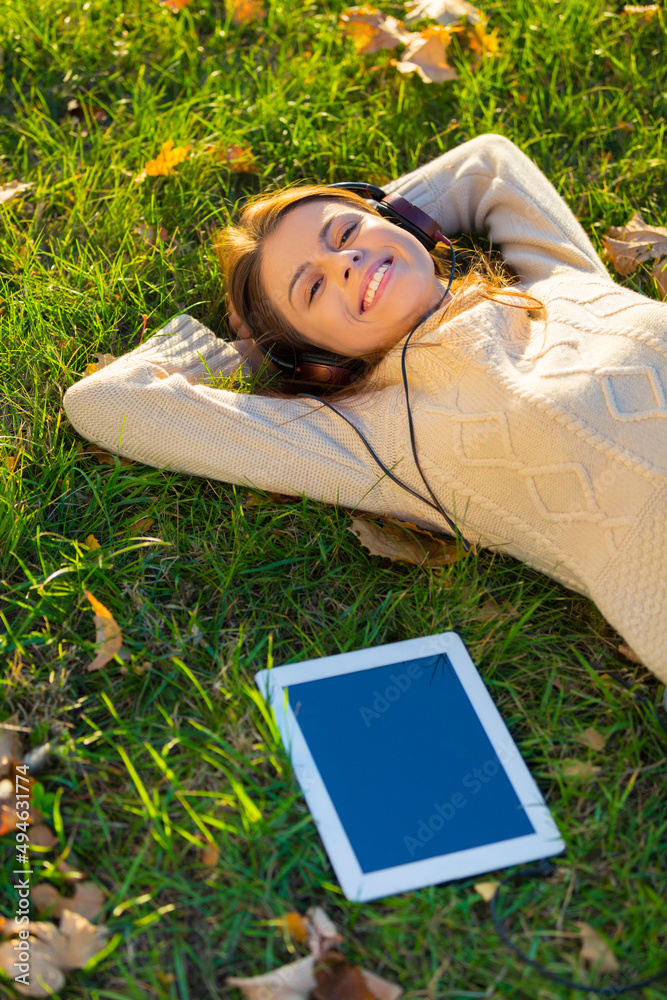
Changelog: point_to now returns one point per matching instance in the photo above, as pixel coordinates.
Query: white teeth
(373, 284)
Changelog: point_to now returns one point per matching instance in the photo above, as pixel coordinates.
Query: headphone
(313, 365)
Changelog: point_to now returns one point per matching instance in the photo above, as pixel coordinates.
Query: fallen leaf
(628, 653)
(210, 854)
(11, 751)
(9, 817)
(11, 461)
(633, 244)
(594, 950)
(296, 927)
(246, 11)
(42, 836)
(45, 977)
(291, 982)
(579, 770)
(102, 361)
(396, 540)
(87, 901)
(323, 935)
(487, 890)
(8, 926)
(591, 738)
(337, 980)
(645, 11)
(370, 30)
(443, 11)
(482, 42)
(175, 5)
(83, 115)
(163, 164)
(426, 56)
(91, 543)
(105, 457)
(659, 272)
(109, 636)
(381, 988)
(75, 942)
(239, 159)
(150, 235)
(141, 524)
(12, 190)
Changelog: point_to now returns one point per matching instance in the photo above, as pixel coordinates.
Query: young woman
(540, 422)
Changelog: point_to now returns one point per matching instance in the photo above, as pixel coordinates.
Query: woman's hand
(237, 326)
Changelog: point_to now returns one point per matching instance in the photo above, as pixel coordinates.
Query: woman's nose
(351, 261)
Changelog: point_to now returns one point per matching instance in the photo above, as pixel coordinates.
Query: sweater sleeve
(489, 186)
(150, 406)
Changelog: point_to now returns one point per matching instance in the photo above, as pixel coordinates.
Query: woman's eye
(313, 290)
(348, 232)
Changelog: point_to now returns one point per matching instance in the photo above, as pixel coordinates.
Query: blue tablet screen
(407, 763)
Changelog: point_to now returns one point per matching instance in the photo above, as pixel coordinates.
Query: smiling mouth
(374, 284)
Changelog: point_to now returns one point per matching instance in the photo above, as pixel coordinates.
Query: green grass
(170, 746)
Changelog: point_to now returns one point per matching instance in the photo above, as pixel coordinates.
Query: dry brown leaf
(163, 164)
(75, 942)
(109, 636)
(443, 11)
(210, 854)
(659, 272)
(11, 751)
(594, 950)
(87, 901)
(487, 890)
(426, 56)
(142, 524)
(633, 244)
(41, 836)
(105, 457)
(291, 982)
(645, 11)
(12, 189)
(91, 543)
(337, 980)
(246, 11)
(370, 30)
(579, 770)
(102, 361)
(323, 935)
(9, 817)
(591, 738)
(43, 972)
(83, 115)
(401, 541)
(149, 234)
(628, 653)
(381, 988)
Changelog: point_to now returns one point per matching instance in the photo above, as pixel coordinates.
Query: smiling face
(346, 279)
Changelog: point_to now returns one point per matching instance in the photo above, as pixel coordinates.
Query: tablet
(409, 771)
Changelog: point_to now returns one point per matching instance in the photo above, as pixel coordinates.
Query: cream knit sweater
(546, 432)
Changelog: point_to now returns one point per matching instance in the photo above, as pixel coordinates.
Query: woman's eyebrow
(324, 232)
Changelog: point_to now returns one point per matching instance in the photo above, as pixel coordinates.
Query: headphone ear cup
(391, 215)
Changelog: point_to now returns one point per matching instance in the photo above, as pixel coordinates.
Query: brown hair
(239, 253)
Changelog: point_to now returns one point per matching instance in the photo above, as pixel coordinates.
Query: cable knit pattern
(544, 432)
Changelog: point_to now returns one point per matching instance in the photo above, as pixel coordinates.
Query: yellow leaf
(163, 164)
(426, 56)
(142, 524)
(401, 541)
(594, 950)
(245, 11)
(371, 30)
(175, 5)
(91, 543)
(487, 890)
(482, 42)
(239, 159)
(579, 770)
(109, 636)
(296, 927)
(591, 738)
(11, 461)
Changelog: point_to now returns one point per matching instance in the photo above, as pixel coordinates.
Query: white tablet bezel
(361, 887)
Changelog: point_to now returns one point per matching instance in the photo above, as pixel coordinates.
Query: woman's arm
(489, 186)
(148, 406)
